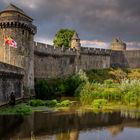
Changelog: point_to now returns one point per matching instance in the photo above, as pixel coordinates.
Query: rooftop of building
(75, 36)
(12, 7)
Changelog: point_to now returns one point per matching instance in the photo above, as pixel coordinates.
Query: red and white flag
(11, 42)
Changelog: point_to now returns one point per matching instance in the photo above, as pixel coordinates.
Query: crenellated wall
(51, 62)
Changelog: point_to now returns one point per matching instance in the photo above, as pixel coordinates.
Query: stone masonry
(33, 60)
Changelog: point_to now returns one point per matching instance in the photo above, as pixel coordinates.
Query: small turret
(75, 41)
(118, 45)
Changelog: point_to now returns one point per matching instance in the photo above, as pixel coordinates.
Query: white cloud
(95, 44)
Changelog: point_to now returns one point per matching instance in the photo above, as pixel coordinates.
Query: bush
(98, 75)
(42, 89)
(51, 103)
(118, 74)
(73, 82)
(128, 91)
(130, 97)
(36, 103)
(65, 103)
(99, 103)
(23, 110)
(134, 74)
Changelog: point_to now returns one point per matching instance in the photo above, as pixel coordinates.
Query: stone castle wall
(11, 80)
(50, 62)
(125, 59)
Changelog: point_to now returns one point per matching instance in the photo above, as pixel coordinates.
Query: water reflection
(72, 125)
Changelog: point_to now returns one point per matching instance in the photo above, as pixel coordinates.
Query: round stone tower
(75, 41)
(15, 24)
(118, 45)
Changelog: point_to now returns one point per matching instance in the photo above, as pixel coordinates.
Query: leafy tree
(63, 37)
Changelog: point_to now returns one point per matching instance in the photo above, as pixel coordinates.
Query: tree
(63, 37)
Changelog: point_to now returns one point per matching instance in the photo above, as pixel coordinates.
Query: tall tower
(118, 45)
(75, 41)
(14, 23)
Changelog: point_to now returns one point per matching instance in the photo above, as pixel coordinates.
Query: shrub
(130, 97)
(118, 74)
(134, 74)
(89, 92)
(65, 103)
(51, 103)
(73, 82)
(36, 103)
(99, 103)
(111, 94)
(42, 89)
(23, 110)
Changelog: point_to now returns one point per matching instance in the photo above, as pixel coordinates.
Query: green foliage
(21, 109)
(99, 103)
(126, 92)
(51, 103)
(49, 89)
(59, 87)
(118, 74)
(63, 38)
(134, 74)
(64, 103)
(75, 81)
(42, 89)
(98, 75)
(36, 103)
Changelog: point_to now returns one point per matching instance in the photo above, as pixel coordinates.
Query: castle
(19, 67)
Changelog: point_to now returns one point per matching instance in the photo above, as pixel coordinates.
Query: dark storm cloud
(93, 19)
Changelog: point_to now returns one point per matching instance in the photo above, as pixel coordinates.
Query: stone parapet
(41, 48)
(95, 51)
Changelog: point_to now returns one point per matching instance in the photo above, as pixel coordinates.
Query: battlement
(45, 49)
(41, 48)
(95, 51)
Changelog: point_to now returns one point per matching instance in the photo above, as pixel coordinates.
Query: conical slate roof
(75, 36)
(12, 7)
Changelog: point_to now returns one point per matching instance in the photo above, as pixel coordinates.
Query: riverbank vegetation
(97, 88)
(36, 105)
(104, 89)
(119, 87)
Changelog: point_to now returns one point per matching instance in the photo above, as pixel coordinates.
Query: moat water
(71, 125)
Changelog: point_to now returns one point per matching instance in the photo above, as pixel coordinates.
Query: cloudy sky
(96, 21)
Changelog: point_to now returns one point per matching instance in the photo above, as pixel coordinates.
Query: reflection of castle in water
(64, 125)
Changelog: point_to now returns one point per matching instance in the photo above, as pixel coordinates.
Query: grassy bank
(35, 105)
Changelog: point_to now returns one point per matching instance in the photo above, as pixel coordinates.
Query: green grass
(33, 106)
(22, 109)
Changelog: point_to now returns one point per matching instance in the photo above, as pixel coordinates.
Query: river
(71, 125)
